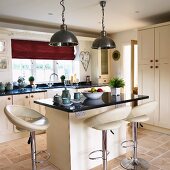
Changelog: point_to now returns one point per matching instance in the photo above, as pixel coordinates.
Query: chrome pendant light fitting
(103, 42)
(63, 37)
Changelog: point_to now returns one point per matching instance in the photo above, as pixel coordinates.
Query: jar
(2, 87)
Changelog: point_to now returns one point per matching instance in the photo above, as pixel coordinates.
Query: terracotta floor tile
(166, 145)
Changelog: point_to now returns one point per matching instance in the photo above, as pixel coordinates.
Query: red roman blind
(26, 49)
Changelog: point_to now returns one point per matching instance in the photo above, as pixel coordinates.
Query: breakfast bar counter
(69, 140)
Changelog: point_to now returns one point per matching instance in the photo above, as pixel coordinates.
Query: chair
(30, 120)
(108, 120)
(138, 114)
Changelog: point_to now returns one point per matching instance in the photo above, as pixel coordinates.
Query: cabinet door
(147, 85)
(21, 99)
(5, 126)
(146, 46)
(37, 107)
(162, 55)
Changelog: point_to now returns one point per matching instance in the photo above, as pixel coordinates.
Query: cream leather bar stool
(138, 114)
(108, 120)
(30, 120)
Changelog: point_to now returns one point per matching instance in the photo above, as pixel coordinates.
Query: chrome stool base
(131, 164)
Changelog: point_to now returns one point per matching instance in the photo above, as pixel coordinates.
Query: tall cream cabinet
(154, 70)
(100, 60)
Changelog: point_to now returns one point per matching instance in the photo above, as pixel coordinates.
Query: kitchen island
(69, 140)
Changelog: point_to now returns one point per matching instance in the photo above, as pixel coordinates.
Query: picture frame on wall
(3, 45)
(3, 63)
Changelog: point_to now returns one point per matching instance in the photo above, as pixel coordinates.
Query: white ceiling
(85, 15)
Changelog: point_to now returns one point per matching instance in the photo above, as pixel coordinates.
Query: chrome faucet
(53, 74)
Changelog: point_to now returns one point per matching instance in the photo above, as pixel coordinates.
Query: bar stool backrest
(144, 109)
(116, 114)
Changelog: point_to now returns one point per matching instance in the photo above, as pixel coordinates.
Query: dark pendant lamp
(103, 42)
(63, 37)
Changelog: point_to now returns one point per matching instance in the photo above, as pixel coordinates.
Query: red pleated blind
(26, 49)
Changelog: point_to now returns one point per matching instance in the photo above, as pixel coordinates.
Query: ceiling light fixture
(103, 42)
(63, 37)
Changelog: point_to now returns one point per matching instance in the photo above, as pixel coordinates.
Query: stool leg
(104, 148)
(134, 163)
(33, 150)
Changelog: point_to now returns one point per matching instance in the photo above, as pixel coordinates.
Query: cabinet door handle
(151, 66)
(156, 60)
(151, 61)
(26, 97)
(32, 96)
(156, 66)
(9, 98)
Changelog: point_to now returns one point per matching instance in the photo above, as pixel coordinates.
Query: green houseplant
(31, 80)
(116, 83)
(62, 78)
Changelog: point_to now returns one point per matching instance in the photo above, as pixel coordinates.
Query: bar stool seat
(138, 114)
(27, 119)
(108, 120)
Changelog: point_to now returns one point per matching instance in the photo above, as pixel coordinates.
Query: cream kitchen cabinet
(100, 60)
(5, 126)
(28, 101)
(154, 70)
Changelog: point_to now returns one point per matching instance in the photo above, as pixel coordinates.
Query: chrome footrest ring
(45, 159)
(130, 141)
(98, 157)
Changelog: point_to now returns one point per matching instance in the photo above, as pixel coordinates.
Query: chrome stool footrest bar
(126, 141)
(98, 157)
(45, 159)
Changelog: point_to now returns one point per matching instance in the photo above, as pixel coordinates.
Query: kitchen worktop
(23, 91)
(86, 104)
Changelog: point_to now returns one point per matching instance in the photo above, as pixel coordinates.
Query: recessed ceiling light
(137, 12)
(50, 13)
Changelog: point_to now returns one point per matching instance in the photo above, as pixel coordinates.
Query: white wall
(84, 45)
(121, 39)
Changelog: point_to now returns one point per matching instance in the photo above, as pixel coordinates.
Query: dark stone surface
(21, 91)
(86, 104)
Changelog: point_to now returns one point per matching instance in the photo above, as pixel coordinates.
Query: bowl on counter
(92, 102)
(94, 95)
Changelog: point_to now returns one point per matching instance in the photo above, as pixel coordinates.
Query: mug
(66, 100)
(77, 96)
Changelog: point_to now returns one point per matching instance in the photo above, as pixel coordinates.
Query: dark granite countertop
(23, 91)
(86, 104)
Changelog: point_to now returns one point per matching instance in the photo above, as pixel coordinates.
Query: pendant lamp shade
(103, 42)
(63, 37)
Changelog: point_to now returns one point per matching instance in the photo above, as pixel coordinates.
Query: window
(41, 69)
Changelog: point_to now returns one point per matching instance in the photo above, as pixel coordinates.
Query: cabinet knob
(32, 96)
(9, 98)
(26, 97)
(156, 66)
(151, 66)
(156, 60)
(151, 61)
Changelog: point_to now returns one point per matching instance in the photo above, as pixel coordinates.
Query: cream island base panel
(69, 140)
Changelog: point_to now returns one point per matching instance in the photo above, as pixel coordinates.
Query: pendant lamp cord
(62, 4)
(103, 27)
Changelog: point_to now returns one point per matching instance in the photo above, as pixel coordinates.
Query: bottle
(88, 79)
(66, 94)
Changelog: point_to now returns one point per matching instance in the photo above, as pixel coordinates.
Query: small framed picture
(3, 64)
(3, 46)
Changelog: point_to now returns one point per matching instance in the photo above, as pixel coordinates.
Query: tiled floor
(152, 146)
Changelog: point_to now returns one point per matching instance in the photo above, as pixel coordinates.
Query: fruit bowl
(94, 95)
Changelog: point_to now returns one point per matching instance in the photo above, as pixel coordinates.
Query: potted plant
(31, 80)
(62, 78)
(116, 83)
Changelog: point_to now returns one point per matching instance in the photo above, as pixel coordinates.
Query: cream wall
(121, 39)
